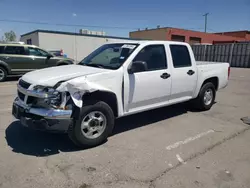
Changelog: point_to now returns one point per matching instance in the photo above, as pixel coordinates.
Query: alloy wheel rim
(208, 97)
(93, 124)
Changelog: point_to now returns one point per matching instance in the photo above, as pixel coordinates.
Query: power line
(68, 25)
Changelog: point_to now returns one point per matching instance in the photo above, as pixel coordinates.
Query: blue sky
(225, 15)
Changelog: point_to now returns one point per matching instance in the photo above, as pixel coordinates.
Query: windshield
(110, 56)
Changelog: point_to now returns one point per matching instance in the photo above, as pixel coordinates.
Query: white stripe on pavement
(179, 143)
(180, 159)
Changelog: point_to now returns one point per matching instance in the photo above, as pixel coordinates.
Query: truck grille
(21, 95)
(31, 100)
(24, 84)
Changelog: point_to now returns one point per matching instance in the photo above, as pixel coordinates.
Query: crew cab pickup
(117, 79)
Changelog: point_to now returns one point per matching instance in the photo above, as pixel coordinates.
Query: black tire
(3, 75)
(199, 102)
(75, 132)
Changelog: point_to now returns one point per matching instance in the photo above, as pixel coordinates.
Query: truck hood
(53, 75)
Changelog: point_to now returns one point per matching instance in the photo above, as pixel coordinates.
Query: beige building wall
(34, 38)
(75, 46)
(154, 34)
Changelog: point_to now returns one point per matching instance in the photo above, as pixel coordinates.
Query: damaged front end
(50, 108)
(42, 108)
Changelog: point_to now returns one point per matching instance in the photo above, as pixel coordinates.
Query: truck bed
(208, 62)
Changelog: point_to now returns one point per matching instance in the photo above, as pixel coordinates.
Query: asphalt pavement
(168, 147)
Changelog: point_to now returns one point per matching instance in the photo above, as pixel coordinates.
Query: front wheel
(3, 74)
(206, 97)
(94, 125)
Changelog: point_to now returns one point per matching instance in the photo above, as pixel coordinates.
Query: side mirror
(137, 66)
(49, 56)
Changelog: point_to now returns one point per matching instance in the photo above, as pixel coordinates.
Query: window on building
(37, 52)
(154, 56)
(1, 49)
(178, 38)
(194, 40)
(29, 41)
(18, 50)
(180, 56)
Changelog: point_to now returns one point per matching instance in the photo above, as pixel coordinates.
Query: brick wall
(241, 34)
(152, 34)
(205, 37)
(166, 34)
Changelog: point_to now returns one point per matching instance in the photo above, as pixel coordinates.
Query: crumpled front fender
(78, 87)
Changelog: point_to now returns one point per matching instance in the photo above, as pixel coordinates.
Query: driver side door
(150, 88)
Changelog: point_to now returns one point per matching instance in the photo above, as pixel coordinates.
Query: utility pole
(206, 21)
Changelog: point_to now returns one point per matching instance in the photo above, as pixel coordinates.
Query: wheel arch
(5, 66)
(105, 96)
(214, 80)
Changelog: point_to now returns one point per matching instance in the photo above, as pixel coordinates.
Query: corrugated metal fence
(237, 54)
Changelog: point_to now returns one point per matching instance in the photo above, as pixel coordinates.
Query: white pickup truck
(117, 79)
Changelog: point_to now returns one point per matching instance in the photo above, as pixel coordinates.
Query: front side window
(154, 56)
(14, 50)
(110, 56)
(180, 56)
(37, 52)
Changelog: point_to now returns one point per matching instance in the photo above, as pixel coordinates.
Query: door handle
(165, 75)
(190, 72)
(6, 57)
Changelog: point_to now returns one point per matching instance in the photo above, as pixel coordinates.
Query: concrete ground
(167, 147)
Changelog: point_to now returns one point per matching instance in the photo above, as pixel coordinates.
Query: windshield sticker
(129, 46)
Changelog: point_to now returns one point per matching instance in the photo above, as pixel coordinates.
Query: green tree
(9, 36)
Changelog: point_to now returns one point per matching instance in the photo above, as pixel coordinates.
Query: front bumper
(53, 120)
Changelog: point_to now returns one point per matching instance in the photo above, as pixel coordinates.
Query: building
(75, 45)
(184, 35)
(86, 31)
(242, 34)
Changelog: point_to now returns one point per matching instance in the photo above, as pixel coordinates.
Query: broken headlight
(51, 96)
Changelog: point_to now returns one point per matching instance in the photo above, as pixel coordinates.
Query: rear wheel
(206, 97)
(3, 74)
(93, 127)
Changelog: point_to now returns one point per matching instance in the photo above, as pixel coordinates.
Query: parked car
(17, 59)
(117, 79)
(58, 53)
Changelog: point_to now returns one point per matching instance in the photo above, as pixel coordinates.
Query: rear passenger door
(16, 58)
(184, 74)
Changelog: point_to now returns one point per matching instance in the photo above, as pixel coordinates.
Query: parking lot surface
(168, 147)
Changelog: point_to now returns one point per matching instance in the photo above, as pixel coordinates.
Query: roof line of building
(170, 28)
(189, 30)
(247, 31)
(78, 34)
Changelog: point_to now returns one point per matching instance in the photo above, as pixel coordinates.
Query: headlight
(52, 97)
(54, 101)
(48, 90)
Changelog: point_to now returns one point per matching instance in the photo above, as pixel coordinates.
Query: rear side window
(1, 49)
(154, 56)
(14, 50)
(181, 56)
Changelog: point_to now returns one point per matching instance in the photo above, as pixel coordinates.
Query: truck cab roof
(154, 42)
